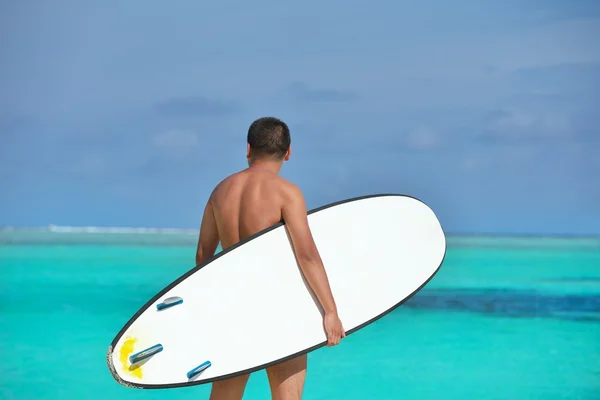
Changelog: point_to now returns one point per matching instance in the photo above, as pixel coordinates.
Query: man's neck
(264, 165)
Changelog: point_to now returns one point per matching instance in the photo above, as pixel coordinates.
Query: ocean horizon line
(100, 229)
(52, 228)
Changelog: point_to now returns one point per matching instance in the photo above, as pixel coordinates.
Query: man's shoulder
(227, 181)
(290, 189)
(229, 178)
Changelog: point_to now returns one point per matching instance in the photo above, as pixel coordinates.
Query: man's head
(269, 140)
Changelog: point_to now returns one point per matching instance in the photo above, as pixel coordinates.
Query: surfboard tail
(113, 371)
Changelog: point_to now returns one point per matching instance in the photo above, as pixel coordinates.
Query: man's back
(247, 202)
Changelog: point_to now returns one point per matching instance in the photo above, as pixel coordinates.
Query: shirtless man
(250, 201)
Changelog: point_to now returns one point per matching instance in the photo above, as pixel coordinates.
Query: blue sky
(127, 113)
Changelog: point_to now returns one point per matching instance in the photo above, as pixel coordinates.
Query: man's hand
(333, 329)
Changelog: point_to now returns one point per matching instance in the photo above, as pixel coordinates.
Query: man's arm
(209, 235)
(294, 214)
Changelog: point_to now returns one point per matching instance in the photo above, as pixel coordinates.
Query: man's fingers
(336, 337)
(331, 339)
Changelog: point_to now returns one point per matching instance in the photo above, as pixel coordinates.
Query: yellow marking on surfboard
(126, 350)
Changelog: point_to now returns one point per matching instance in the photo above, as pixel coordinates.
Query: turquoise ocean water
(505, 318)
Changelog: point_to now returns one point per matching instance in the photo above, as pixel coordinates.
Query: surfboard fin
(198, 370)
(169, 302)
(146, 353)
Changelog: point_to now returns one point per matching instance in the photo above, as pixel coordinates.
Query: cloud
(404, 140)
(94, 164)
(301, 92)
(160, 154)
(12, 123)
(566, 87)
(474, 162)
(176, 143)
(421, 139)
(196, 106)
(566, 76)
(561, 11)
(510, 125)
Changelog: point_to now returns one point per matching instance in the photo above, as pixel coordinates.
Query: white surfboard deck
(249, 307)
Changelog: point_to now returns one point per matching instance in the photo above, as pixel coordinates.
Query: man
(250, 201)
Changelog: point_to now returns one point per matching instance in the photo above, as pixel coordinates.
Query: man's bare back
(252, 200)
(248, 202)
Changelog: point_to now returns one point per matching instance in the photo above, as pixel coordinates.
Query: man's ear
(248, 152)
(288, 154)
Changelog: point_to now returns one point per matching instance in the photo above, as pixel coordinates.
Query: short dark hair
(269, 137)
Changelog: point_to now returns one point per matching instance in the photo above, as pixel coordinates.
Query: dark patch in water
(510, 303)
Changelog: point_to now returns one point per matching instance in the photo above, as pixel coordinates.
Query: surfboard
(249, 307)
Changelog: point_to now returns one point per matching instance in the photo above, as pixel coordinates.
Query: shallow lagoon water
(505, 318)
